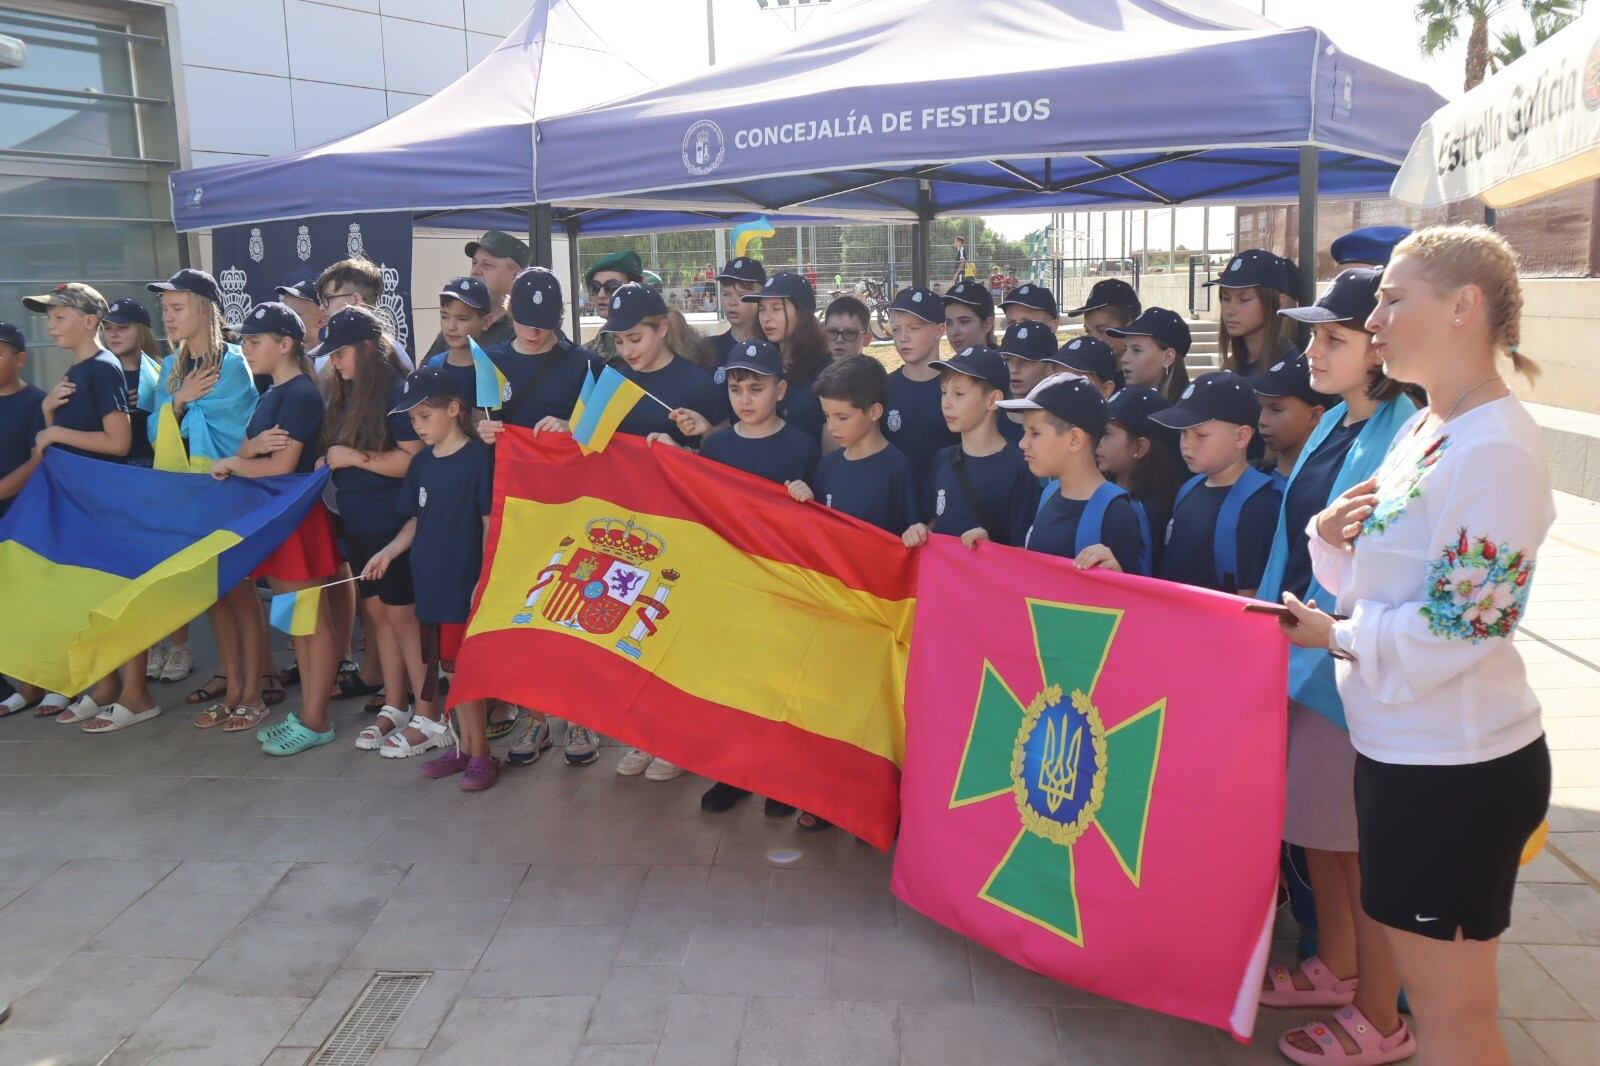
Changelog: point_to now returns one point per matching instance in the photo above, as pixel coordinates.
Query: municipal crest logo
(422, 495)
(302, 243)
(894, 421)
(196, 195)
(236, 303)
(391, 308)
(611, 586)
(353, 242)
(1069, 774)
(703, 148)
(258, 248)
(938, 503)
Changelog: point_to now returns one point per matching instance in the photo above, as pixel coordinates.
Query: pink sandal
(1373, 1048)
(1326, 990)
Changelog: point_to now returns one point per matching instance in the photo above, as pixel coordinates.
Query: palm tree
(1548, 17)
(1441, 27)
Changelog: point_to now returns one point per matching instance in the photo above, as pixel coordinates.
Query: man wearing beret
(497, 258)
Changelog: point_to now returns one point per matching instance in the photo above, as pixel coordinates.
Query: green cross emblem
(1066, 772)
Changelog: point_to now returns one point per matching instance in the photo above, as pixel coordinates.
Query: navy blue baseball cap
(304, 289)
(1033, 341)
(1256, 266)
(190, 280)
(348, 325)
(787, 285)
(272, 318)
(1222, 396)
(743, 269)
(1132, 407)
(1290, 377)
(763, 357)
(11, 335)
(1369, 244)
(985, 364)
(470, 291)
(1089, 355)
(974, 294)
(1351, 299)
(1167, 328)
(1109, 291)
(1068, 397)
(924, 303)
(1037, 297)
(127, 312)
(536, 299)
(426, 383)
(631, 304)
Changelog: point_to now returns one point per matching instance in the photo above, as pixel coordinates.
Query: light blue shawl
(213, 426)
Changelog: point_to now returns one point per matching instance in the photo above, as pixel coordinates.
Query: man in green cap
(603, 278)
(497, 257)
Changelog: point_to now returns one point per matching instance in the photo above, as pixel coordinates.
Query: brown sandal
(273, 692)
(213, 715)
(242, 718)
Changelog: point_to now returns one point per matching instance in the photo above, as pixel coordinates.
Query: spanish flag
(491, 383)
(601, 407)
(98, 558)
(701, 614)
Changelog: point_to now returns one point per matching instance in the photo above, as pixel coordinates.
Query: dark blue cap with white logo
(1290, 377)
(1068, 397)
(536, 299)
(1033, 341)
(1369, 244)
(790, 286)
(985, 364)
(974, 294)
(426, 383)
(762, 357)
(1219, 397)
(1109, 291)
(349, 325)
(1166, 328)
(1256, 266)
(190, 280)
(470, 291)
(11, 335)
(1351, 299)
(631, 304)
(127, 313)
(304, 289)
(1133, 407)
(272, 318)
(924, 303)
(743, 269)
(1037, 297)
(1089, 355)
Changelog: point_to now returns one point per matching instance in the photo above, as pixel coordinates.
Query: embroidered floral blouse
(1435, 589)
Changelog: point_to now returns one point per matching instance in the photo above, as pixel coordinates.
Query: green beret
(621, 262)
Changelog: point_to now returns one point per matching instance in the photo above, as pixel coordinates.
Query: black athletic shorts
(394, 587)
(1440, 845)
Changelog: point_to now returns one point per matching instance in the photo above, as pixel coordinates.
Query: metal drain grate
(370, 1019)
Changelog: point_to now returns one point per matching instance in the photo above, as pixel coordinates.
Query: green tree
(1442, 22)
(1547, 16)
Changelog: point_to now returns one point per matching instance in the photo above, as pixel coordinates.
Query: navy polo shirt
(1189, 556)
(296, 406)
(1009, 494)
(21, 419)
(101, 389)
(465, 377)
(880, 489)
(914, 423)
(370, 502)
(1055, 530)
(449, 497)
(141, 448)
(1156, 514)
(785, 456)
(680, 383)
(802, 409)
(541, 385)
(1308, 494)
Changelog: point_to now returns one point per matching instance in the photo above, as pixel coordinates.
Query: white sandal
(372, 737)
(434, 735)
(82, 709)
(120, 717)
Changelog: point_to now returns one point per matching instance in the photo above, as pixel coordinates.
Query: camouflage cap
(72, 294)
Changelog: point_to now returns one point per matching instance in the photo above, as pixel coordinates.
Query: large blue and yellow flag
(98, 560)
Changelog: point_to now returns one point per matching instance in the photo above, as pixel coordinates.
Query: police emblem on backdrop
(236, 302)
(302, 243)
(353, 243)
(258, 250)
(703, 148)
(390, 306)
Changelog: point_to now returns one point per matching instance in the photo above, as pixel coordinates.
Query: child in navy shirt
(969, 316)
(740, 277)
(1094, 359)
(1290, 411)
(87, 412)
(1032, 303)
(1083, 517)
(914, 422)
(867, 478)
(1141, 455)
(979, 488)
(464, 313)
(21, 416)
(448, 492)
(1224, 519)
(640, 321)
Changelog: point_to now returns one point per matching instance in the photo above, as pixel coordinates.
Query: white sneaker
(582, 745)
(662, 770)
(155, 661)
(635, 762)
(179, 664)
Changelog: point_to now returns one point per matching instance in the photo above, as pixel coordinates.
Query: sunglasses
(608, 287)
(843, 334)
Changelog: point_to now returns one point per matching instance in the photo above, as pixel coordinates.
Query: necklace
(1462, 398)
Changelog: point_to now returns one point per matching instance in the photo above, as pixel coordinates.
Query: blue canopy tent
(909, 111)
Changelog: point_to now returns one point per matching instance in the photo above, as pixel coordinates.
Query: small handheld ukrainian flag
(295, 613)
(601, 407)
(491, 382)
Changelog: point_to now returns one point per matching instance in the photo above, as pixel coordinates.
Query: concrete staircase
(1203, 355)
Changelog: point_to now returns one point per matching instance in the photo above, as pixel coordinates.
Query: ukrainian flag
(491, 382)
(601, 407)
(295, 613)
(98, 559)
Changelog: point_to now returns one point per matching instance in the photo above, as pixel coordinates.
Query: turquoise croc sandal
(295, 738)
(276, 730)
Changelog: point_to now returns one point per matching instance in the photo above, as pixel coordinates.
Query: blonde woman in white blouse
(1432, 561)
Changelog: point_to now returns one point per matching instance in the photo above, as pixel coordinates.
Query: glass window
(67, 56)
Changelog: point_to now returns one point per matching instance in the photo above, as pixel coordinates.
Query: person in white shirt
(1432, 561)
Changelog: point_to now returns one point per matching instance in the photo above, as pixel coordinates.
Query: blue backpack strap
(436, 360)
(1092, 521)
(1177, 502)
(1225, 544)
(1146, 559)
(1044, 494)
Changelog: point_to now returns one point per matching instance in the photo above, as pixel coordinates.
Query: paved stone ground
(172, 896)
